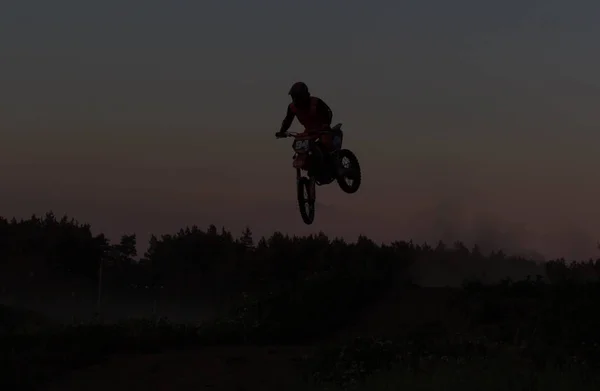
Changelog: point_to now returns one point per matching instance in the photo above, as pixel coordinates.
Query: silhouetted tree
(48, 246)
(246, 238)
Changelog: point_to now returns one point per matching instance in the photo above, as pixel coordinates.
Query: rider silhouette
(312, 112)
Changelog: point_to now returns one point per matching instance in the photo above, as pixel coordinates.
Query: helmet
(299, 90)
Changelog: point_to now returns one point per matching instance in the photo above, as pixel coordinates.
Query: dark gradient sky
(473, 119)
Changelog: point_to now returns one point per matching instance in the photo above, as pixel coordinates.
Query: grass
(31, 360)
(525, 342)
(482, 374)
(372, 364)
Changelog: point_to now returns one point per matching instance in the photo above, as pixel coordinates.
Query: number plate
(301, 145)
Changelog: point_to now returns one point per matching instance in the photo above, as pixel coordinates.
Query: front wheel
(306, 199)
(350, 176)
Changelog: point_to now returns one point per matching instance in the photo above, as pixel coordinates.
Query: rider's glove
(280, 134)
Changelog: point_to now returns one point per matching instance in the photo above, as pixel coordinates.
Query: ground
(222, 368)
(253, 368)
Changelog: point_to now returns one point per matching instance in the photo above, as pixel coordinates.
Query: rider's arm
(324, 112)
(287, 121)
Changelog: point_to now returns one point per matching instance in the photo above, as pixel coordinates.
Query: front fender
(300, 161)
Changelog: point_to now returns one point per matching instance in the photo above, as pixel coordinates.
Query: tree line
(65, 247)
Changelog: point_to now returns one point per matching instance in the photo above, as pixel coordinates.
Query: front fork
(311, 186)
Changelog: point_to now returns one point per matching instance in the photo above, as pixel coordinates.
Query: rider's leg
(327, 143)
(321, 155)
(330, 157)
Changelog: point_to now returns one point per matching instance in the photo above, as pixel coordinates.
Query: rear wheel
(306, 199)
(350, 177)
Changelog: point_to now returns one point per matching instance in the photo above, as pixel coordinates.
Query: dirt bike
(322, 167)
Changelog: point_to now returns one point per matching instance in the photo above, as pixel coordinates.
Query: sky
(473, 120)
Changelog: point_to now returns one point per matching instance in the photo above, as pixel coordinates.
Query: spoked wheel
(306, 199)
(351, 177)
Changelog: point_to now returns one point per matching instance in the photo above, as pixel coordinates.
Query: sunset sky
(473, 120)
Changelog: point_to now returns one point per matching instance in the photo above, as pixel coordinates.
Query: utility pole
(99, 298)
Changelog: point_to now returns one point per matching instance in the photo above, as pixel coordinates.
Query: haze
(473, 120)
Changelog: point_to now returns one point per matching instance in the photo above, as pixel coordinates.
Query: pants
(330, 142)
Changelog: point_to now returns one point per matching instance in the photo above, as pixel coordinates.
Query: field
(413, 338)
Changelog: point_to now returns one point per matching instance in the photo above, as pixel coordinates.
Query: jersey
(313, 117)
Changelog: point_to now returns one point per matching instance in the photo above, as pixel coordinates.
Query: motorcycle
(322, 167)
